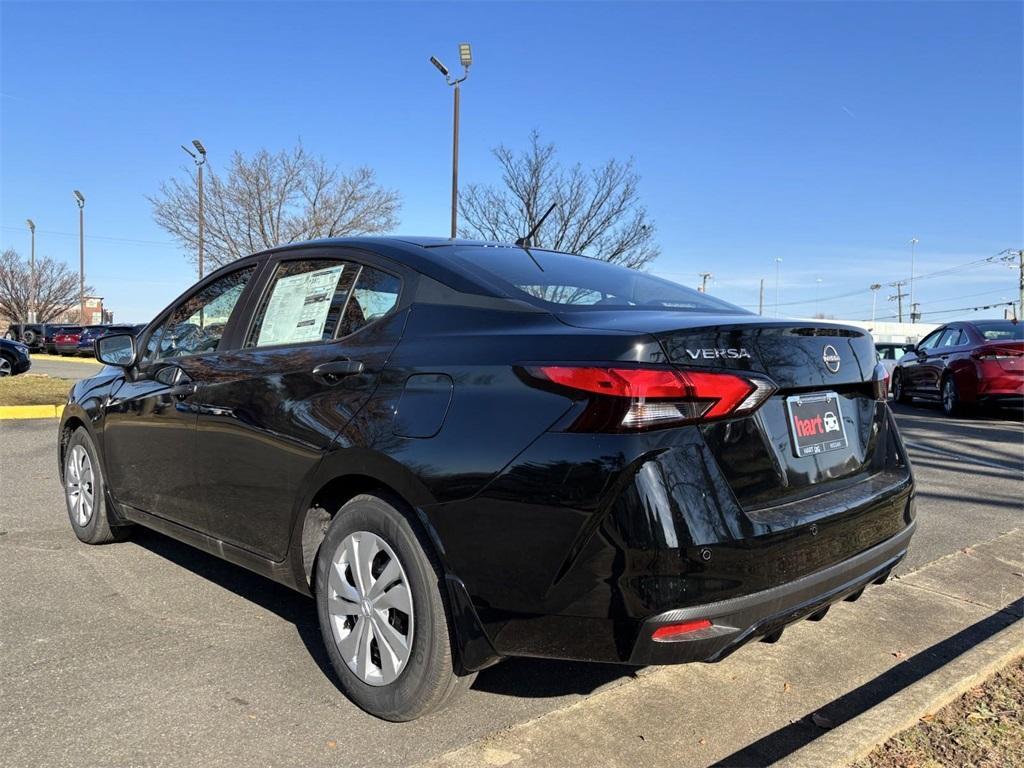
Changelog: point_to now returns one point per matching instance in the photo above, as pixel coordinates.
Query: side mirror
(116, 349)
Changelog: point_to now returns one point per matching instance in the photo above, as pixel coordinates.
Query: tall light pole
(817, 292)
(200, 161)
(32, 274)
(913, 244)
(466, 59)
(80, 199)
(874, 295)
(704, 277)
(778, 263)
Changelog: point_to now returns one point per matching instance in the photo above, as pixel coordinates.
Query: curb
(857, 737)
(30, 411)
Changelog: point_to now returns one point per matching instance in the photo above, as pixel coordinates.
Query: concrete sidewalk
(792, 691)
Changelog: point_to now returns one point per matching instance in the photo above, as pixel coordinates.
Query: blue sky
(827, 134)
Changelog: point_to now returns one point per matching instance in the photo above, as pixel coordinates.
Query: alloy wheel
(370, 608)
(6, 369)
(78, 484)
(948, 396)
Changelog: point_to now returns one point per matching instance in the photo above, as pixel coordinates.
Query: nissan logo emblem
(831, 357)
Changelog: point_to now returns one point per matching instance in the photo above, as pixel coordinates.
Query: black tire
(28, 338)
(430, 676)
(952, 405)
(7, 367)
(96, 529)
(899, 392)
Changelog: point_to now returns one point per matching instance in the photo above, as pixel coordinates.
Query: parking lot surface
(151, 653)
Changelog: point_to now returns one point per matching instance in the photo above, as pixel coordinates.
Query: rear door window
(304, 303)
(375, 295)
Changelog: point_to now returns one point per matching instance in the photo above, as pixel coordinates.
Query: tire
(85, 492)
(421, 675)
(6, 366)
(28, 338)
(899, 393)
(952, 405)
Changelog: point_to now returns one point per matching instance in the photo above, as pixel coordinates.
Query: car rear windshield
(1001, 330)
(566, 281)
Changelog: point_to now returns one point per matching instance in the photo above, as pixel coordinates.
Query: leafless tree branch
(56, 288)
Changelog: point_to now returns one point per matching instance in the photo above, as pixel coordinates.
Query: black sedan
(467, 451)
(15, 357)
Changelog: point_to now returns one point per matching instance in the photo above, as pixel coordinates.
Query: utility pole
(704, 277)
(466, 59)
(80, 199)
(898, 298)
(32, 274)
(874, 295)
(760, 299)
(913, 244)
(200, 161)
(915, 312)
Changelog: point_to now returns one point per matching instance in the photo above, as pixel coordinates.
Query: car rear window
(567, 281)
(1001, 330)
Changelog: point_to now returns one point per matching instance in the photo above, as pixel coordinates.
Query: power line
(103, 238)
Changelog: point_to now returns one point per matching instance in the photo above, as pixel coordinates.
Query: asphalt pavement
(151, 653)
(64, 367)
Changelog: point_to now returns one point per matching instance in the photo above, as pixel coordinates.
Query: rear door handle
(337, 369)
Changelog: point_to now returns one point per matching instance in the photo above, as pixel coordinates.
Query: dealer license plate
(816, 423)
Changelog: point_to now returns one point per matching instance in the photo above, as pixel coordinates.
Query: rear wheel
(951, 403)
(85, 492)
(899, 392)
(383, 612)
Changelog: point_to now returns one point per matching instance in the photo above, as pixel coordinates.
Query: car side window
(375, 294)
(930, 340)
(950, 338)
(196, 325)
(304, 303)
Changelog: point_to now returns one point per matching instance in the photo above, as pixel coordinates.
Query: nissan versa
(466, 451)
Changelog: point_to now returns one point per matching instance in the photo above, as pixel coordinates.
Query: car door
(933, 365)
(149, 427)
(321, 332)
(912, 369)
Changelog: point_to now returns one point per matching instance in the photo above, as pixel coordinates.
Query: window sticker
(298, 307)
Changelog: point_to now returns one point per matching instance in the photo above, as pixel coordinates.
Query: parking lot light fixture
(32, 273)
(200, 161)
(874, 296)
(80, 199)
(466, 59)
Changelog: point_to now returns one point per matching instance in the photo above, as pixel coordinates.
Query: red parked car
(965, 364)
(66, 343)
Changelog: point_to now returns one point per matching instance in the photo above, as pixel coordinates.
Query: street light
(778, 262)
(32, 273)
(80, 199)
(466, 59)
(874, 295)
(200, 161)
(817, 291)
(913, 243)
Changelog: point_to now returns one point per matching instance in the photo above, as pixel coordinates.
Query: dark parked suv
(466, 451)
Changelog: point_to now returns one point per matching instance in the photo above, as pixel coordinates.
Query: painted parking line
(960, 457)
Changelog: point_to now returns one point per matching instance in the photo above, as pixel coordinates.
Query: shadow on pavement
(792, 737)
(520, 677)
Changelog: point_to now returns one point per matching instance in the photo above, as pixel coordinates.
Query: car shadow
(519, 677)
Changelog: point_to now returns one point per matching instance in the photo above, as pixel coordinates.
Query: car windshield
(1001, 330)
(577, 282)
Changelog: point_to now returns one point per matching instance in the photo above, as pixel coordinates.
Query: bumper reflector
(673, 631)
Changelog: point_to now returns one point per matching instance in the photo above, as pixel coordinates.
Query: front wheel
(384, 616)
(85, 492)
(6, 366)
(899, 392)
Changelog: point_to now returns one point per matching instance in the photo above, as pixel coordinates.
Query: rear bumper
(739, 620)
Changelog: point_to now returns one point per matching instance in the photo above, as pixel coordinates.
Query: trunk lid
(758, 454)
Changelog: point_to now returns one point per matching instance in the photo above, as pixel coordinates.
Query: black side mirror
(116, 349)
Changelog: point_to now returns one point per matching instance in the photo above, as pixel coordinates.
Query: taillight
(671, 632)
(627, 399)
(1000, 355)
(880, 383)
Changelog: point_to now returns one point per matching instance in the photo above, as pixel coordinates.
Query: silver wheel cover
(369, 605)
(78, 485)
(6, 369)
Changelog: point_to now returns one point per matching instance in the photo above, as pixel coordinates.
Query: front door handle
(336, 369)
(181, 391)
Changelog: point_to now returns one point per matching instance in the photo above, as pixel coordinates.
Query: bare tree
(56, 288)
(270, 199)
(599, 212)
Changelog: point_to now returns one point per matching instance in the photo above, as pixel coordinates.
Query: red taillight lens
(675, 631)
(645, 398)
